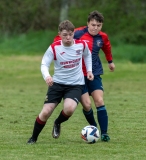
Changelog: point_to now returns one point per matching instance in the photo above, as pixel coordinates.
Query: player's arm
(107, 51)
(45, 65)
(88, 62)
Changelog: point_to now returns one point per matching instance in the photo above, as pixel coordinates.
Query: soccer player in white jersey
(68, 79)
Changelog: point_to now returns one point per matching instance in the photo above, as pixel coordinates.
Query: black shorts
(58, 91)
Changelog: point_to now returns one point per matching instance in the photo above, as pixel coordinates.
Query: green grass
(32, 43)
(22, 92)
(37, 42)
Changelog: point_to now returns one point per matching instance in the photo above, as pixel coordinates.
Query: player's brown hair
(66, 25)
(95, 15)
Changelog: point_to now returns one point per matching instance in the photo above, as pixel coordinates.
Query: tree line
(123, 18)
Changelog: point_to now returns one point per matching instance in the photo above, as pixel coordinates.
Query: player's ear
(87, 23)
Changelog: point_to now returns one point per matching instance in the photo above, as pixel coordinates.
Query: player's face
(67, 37)
(94, 27)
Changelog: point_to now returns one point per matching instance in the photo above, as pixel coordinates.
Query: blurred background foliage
(124, 21)
(123, 18)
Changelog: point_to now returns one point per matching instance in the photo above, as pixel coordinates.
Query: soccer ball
(90, 134)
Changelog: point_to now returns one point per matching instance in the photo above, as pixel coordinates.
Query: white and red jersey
(67, 62)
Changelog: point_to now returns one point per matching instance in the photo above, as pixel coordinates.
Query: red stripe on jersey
(79, 41)
(57, 38)
(89, 40)
(53, 48)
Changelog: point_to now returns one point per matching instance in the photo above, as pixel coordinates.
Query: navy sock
(38, 126)
(102, 119)
(90, 117)
(61, 118)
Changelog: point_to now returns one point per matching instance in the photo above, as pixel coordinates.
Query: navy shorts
(57, 92)
(91, 86)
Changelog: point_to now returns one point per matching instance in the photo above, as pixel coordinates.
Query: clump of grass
(127, 52)
(37, 42)
(133, 53)
(32, 43)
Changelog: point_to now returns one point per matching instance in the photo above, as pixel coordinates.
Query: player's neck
(68, 44)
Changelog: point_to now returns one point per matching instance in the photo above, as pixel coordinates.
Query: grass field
(22, 92)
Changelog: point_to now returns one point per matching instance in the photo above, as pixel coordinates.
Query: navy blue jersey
(95, 43)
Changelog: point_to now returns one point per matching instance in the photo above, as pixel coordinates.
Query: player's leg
(53, 97)
(41, 120)
(96, 89)
(101, 114)
(86, 103)
(69, 108)
(87, 109)
(72, 96)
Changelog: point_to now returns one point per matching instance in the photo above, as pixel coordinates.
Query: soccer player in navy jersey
(68, 79)
(96, 40)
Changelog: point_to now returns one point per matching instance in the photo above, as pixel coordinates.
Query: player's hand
(49, 81)
(90, 76)
(111, 66)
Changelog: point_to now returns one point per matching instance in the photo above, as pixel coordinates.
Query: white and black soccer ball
(90, 134)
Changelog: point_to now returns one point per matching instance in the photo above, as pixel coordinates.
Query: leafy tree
(125, 19)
